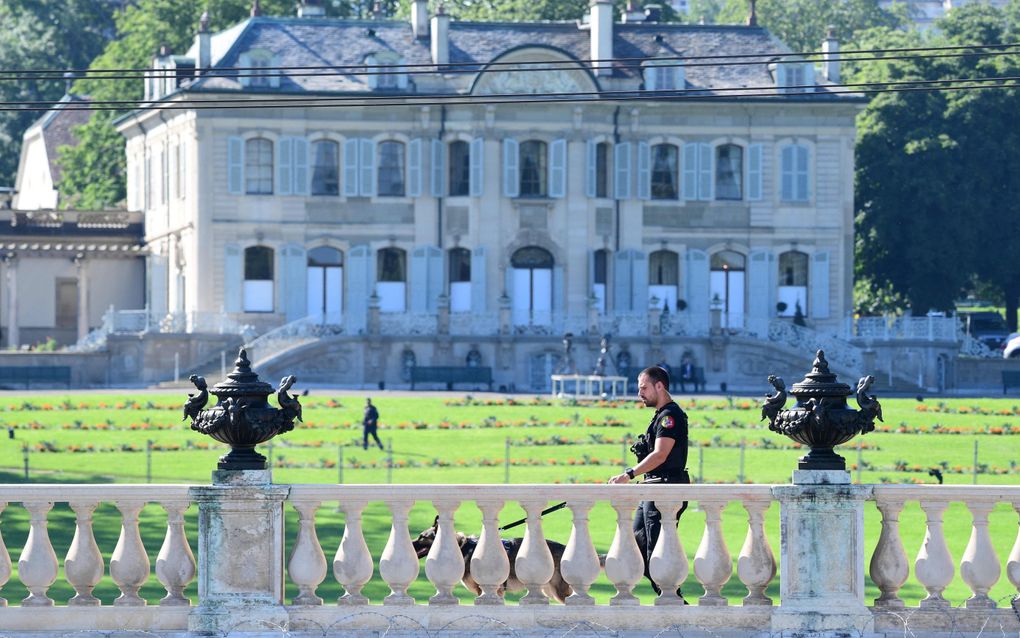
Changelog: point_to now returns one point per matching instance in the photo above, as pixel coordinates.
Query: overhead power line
(467, 100)
(539, 65)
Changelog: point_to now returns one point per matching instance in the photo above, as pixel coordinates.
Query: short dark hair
(656, 374)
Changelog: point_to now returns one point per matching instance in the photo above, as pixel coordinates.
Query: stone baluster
(5, 560)
(83, 565)
(580, 563)
(668, 564)
(934, 565)
(889, 566)
(129, 565)
(307, 565)
(444, 565)
(490, 566)
(756, 564)
(175, 564)
(624, 564)
(352, 565)
(1012, 563)
(979, 566)
(398, 564)
(37, 567)
(534, 566)
(712, 563)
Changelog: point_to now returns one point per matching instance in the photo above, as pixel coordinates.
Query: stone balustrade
(306, 564)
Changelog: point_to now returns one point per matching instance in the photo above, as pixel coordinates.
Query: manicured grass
(454, 440)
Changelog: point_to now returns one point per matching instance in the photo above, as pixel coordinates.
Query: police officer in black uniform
(662, 456)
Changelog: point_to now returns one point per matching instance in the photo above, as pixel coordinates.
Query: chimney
(830, 56)
(752, 17)
(256, 9)
(601, 24)
(311, 9)
(440, 37)
(203, 44)
(653, 12)
(420, 19)
(634, 12)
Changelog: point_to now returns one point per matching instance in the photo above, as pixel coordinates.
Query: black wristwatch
(629, 472)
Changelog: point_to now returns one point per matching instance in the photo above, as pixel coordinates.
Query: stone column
(822, 554)
(240, 554)
(82, 268)
(11, 279)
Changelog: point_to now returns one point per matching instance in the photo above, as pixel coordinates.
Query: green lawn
(94, 438)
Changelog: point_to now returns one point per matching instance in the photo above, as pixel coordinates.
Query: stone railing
(244, 564)
(892, 328)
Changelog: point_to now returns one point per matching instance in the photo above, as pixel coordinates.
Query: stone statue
(869, 404)
(289, 404)
(600, 364)
(567, 365)
(195, 403)
(774, 402)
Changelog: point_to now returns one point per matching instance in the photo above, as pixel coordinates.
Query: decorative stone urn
(242, 418)
(821, 418)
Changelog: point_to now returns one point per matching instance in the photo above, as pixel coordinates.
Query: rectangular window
(795, 178)
(602, 170)
(534, 169)
(258, 166)
(664, 171)
(182, 173)
(390, 180)
(460, 169)
(729, 171)
(66, 304)
(326, 168)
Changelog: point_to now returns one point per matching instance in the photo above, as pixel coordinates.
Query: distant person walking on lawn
(370, 423)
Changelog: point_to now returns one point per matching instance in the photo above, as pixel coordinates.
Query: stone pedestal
(822, 556)
(240, 554)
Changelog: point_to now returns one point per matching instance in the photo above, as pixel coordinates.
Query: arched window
(258, 166)
(726, 286)
(665, 171)
(325, 168)
(729, 172)
(460, 168)
(664, 278)
(391, 283)
(258, 279)
(473, 358)
(326, 283)
(793, 283)
(600, 278)
(460, 279)
(391, 169)
(534, 169)
(531, 272)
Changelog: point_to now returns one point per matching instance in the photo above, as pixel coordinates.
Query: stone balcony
(244, 564)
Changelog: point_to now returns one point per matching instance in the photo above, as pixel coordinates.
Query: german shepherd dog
(556, 588)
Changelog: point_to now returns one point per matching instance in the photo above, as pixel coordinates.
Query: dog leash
(549, 510)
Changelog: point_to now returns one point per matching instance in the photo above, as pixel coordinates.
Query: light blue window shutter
(300, 166)
(621, 170)
(401, 77)
(758, 285)
(434, 257)
(690, 171)
(803, 191)
(233, 272)
(235, 165)
(644, 170)
(819, 274)
(284, 165)
(754, 172)
(622, 275)
(476, 160)
(295, 282)
(419, 279)
(650, 84)
(558, 168)
(438, 168)
(478, 287)
(591, 167)
(558, 301)
(705, 172)
(351, 167)
(809, 75)
(414, 172)
(359, 287)
(158, 289)
(786, 169)
(639, 282)
(781, 80)
(366, 168)
(511, 179)
(697, 286)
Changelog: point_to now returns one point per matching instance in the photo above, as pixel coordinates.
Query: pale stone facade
(516, 219)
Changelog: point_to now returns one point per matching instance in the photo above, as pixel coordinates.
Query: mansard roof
(318, 42)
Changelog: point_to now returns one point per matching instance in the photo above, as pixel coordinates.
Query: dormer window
(385, 72)
(794, 76)
(664, 75)
(258, 73)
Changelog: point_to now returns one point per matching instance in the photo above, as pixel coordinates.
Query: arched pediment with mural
(534, 70)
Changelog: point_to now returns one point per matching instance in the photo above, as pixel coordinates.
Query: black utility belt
(673, 477)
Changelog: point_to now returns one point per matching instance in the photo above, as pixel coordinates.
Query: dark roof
(300, 42)
(57, 125)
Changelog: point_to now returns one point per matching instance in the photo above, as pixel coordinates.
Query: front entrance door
(726, 287)
(325, 284)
